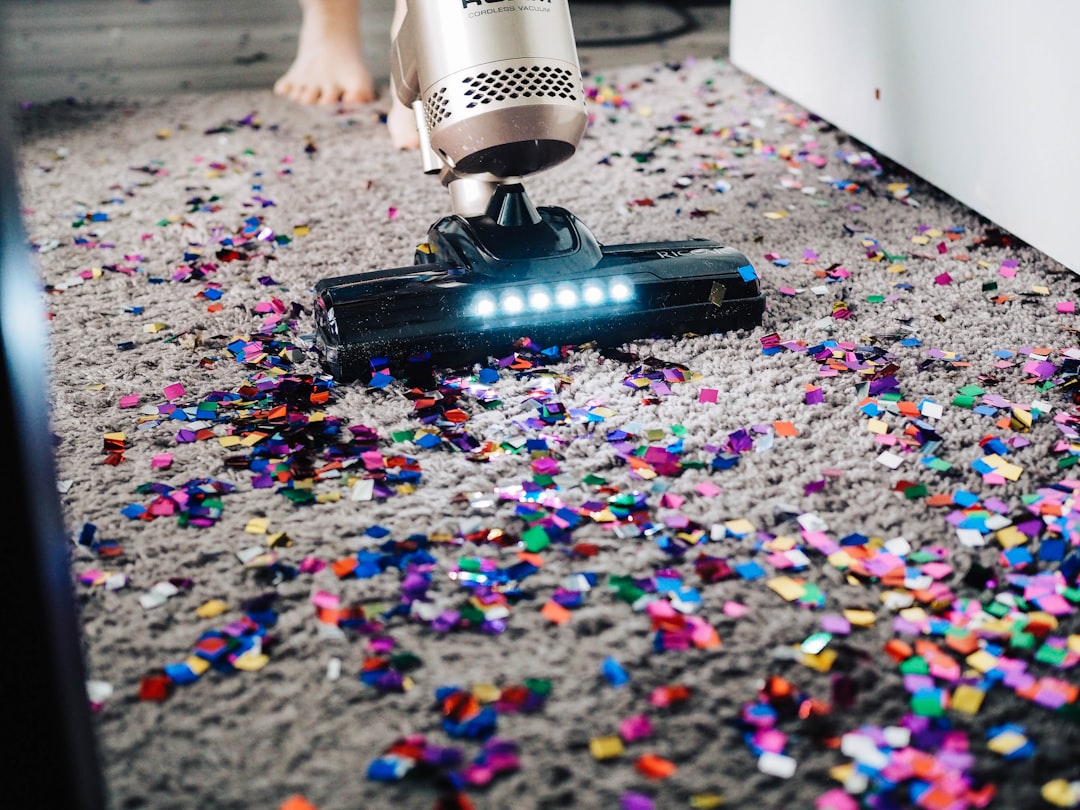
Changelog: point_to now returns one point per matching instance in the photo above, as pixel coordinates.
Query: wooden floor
(120, 48)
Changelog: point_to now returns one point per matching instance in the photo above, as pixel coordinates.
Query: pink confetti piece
(1066, 306)
(735, 610)
(174, 391)
(162, 461)
(708, 395)
(325, 599)
(392, 212)
(129, 401)
(707, 489)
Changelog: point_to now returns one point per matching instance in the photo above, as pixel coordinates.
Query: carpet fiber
(647, 578)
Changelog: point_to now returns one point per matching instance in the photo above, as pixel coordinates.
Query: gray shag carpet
(827, 557)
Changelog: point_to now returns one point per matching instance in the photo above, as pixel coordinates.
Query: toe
(329, 95)
(307, 95)
(358, 95)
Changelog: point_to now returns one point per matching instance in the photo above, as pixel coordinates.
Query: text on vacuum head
(467, 3)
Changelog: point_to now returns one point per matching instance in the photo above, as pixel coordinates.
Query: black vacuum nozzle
(482, 283)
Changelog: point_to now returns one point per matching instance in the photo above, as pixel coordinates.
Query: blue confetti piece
(750, 570)
(429, 440)
(180, 674)
(133, 511)
(747, 272)
(613, 671)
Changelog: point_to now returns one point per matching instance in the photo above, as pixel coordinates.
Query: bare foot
(329, 67)
(401, 123)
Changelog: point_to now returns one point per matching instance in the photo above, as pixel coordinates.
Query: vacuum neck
(474, 196)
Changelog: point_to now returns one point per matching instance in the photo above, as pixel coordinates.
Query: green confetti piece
(402, 435)
(916, 491)
(972, 391)
(472, 614)
(920, 557)
(538, 686)
(962, 401)
(1022, 641)
(1070, 712)
(997, 610)
(299, 496)
(938, 464)
(591, 480)
(1068, 461)
(535, 539)
(915, 665)
(405, 662)
(1054, 656)
(875, 299)
(927, 704)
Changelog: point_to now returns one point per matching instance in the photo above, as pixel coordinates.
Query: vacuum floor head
(482, 283)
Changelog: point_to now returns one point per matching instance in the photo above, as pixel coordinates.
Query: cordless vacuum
(497, 92)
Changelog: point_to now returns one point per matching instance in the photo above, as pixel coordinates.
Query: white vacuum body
(496, 84)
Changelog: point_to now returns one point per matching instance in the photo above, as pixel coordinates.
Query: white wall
(979, 97)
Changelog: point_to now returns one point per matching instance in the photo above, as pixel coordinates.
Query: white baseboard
(981, 98)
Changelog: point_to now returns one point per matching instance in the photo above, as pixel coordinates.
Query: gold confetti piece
(877, 426)
(253, 662)
(154, 328)
(739, 527)
(163, 134)
(840, 559)
(915, 615)
(896, 268)
(1039, 289)
(1061, 793)
(782, 543)
(228, 441)
(253, 438)
(860, 618)
(211, 609)
(257, 526)
(981, 661)
(301, 230)
(821, 662)
(197, 665)
(606, 747)
(776, 214)
(328, 497)
(1006, 742)
(486, 692)
(967, 699)
(841, 773)
(787, 588)
(706, 801)
(921, 240)
(279, 540)
(1010, 537)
